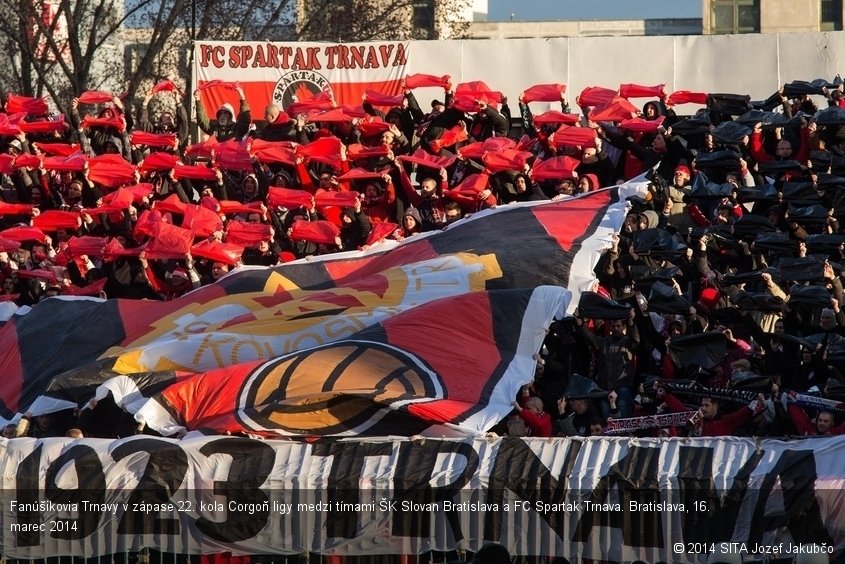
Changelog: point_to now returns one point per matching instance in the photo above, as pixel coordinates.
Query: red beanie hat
(709, 298)
(683, 168)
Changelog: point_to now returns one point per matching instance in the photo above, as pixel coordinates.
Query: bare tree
(64, 47)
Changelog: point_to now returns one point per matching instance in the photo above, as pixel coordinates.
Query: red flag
(508, 159)
(232, 155)
(114, 249)
(146, 223)
(8, 246)
(221, 83)
(169, 242)
(26, 160)
(335, 115)
(354, 111)
(360, 174)
(595, 96)
(194, 172)
(686, 97)
(544, 93)
(9, 126)
(44, 126)
(358, 151)
(553, 117)
(72, 163)
(95, 97)
(39, 274)
(164, 86)
(372, 126)
(247, 234)
(321, 101)
(201, 220)
(15, 209)
(637, 91)
(315, 231)
(120, 199)
(472, 185)
(380, 99)
(91, 246)
(227, 253)
(51, 220)
(323, 147)
(554, 168)
(158, 160)
(478, 149)
(228, 207)
(140, 191)
(92, 289)
(282, 152)
(642, 125)
(571, 136)
(163, 140)
(23, 234)
(495, 144)
(171, 204)
(202, 150)
(381, 231)
(426, 159)
(525, 143)
(57, 149)
(7, 163)
(24, 104)
(339, 199)
(617, 110)
(117, 122)
(111, 170)
(465, 104)
(288, 198)
(423, 80)
(449, 138)
(478, 89)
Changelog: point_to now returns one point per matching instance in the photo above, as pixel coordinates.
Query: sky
(538, 10)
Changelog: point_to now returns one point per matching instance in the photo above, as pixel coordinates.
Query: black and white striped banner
(597, 498)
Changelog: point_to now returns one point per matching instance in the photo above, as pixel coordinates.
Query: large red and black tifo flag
(62, 350)
(456, 362)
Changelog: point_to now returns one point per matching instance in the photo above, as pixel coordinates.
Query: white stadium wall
(756, 64)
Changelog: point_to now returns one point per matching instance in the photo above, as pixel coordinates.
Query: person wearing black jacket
(355, 227)
(165, 122)
(665, 151)
(282, 127)
(488, 123)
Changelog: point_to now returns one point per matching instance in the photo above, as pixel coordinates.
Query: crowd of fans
(721, 293)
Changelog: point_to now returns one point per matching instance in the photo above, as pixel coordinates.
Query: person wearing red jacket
(824, 424)
(531, 410)
(712, 423)
(784, 149)
(380, 204)
(429, 201)
(182, 279)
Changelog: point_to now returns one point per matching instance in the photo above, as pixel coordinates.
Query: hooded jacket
(353, 235)
(412, 212)
(234, 130)
(593, 180)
